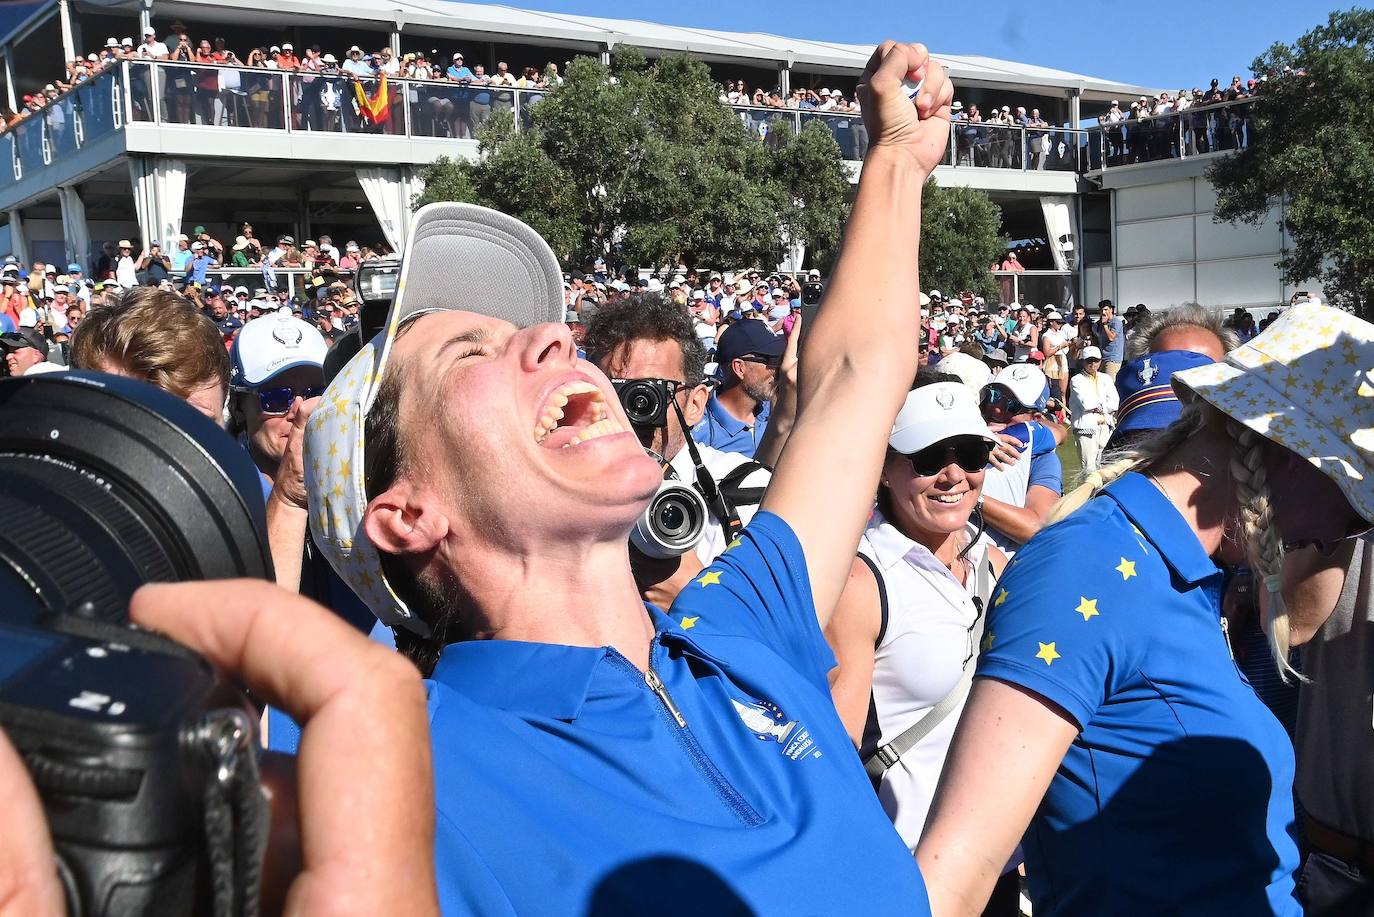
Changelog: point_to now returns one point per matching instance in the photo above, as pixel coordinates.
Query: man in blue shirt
(1111, 337)
(748, 355)
(592, 755)
(181, 258)
(201, 261)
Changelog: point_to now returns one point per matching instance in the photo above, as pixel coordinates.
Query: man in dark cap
(23, 349)
(736, 416)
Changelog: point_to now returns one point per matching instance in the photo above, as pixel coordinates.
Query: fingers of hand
(28, 881)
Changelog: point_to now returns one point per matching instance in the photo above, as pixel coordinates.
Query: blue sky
(1164, 43)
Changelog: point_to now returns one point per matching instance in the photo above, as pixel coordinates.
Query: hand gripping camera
(145, 766)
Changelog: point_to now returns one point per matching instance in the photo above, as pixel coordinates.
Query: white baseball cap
(1027, 383)
(971, 371)
(1090, 353)
(936, 412)
(273, 344)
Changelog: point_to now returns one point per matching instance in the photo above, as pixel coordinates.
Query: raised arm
(858, 361)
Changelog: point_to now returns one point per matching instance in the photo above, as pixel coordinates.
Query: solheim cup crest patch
(767, 722)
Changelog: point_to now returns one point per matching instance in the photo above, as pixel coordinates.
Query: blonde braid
(1263, 544)
(1142, 456)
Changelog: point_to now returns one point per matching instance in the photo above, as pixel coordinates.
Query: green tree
(1312, 145)
(961, 238)
(641, 162)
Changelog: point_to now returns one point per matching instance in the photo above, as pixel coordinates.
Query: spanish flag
(377, 109)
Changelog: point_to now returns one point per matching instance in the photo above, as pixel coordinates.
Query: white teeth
(947, 498)
(553, 411)
(593, 431)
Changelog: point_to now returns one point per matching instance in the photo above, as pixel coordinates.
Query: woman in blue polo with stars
(1108, 723)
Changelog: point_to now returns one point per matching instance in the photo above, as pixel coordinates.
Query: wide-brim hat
(458, 256)
(1306, 383)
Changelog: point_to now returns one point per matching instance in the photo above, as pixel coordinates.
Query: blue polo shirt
(1176, 796)
(719, 429)
(566, 785)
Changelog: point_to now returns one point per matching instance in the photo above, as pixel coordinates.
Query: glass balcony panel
(846, 127)
(61, 116)
(28, 138)
(95, 102)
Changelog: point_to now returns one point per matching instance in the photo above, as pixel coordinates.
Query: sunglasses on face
(762, 359)
(278, 401)
(1358, 528)
(968, 453)
(997, 398)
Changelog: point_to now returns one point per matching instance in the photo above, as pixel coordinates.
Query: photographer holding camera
(649, 349)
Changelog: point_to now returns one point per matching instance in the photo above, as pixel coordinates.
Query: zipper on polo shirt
(656, 685)
(731, 797)
(1226, 635)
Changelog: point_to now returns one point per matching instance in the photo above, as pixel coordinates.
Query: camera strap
(710, 491)
(236, 814)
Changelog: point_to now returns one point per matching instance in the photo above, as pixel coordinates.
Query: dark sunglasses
(279, 400)
(1357, 529)
(997, 398)
(769, 361)
(968, 453)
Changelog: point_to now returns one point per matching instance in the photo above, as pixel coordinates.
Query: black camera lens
(672, 518)
(645, 401)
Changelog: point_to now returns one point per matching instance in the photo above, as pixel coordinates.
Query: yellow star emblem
(1001, 597)
(346, 468)
(709, 578)
(365, 580)
(690, 622)
(1047, 653)
(333, 450)
(987, 641)
(734, 543)
(1087, 608)
(1126, 568)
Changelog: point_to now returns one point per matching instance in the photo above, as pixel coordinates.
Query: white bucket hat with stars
(1307, 383)
(458, 256)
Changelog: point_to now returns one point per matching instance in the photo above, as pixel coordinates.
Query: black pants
(1328, 887)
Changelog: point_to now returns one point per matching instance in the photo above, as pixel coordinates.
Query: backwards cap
(458, 256)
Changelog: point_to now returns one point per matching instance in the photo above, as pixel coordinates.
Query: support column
(10, 98)
(394, 38)
(785, 78)
(145, 16)
(1076, 108)
(303, 227)
(19, 245)
(606, 54)
(64, 15)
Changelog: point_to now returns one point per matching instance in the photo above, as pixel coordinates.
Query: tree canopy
(961, 237)
(1312, 145)
(640, 163)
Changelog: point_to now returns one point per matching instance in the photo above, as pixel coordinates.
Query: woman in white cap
(906, 631)
(1092, 406)
(1107, 715)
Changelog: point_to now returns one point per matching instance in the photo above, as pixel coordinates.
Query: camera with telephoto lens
(144, 763)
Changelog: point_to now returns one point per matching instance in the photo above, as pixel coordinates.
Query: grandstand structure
(112, 159)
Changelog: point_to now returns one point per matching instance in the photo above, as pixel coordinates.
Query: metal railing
(1197, 131)
(257, 99)
(84, 114)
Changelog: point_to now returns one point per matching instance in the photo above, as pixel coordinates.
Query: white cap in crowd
(1090, 353)
(936, 412)
(273, 344)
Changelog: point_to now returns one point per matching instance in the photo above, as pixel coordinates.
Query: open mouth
(947, 499)
(576, 412)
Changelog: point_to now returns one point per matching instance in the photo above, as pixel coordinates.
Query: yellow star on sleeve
(1126, 568)
(1001, 597)
(1087, 608)
(1047, 653)
(689, 622)
(734, 543)
(709, 578)
(987, 641)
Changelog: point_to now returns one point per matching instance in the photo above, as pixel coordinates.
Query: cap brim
(916, 436)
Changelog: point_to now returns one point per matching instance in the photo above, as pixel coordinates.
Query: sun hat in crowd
(1307, 383)
(125, 243)
(494, 265)
(1027, 384)
(936, 412)
(997, 355)
(1147, 399)
(240, 243)
(971, 371)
